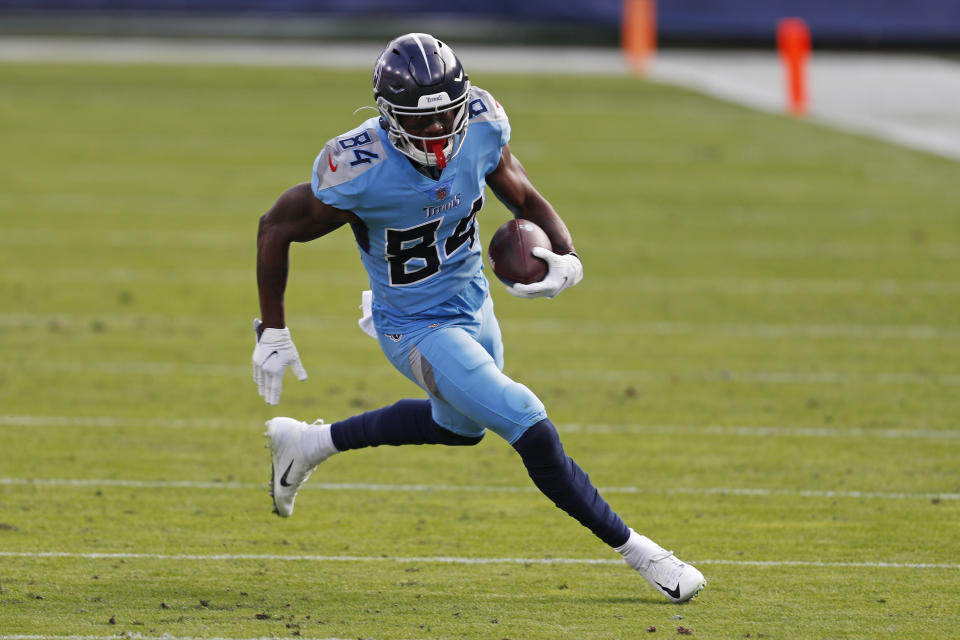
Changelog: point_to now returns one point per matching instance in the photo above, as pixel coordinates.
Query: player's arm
(510, 183)
(297, 216)
(512, 186)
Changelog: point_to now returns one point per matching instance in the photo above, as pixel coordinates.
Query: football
(509, 252)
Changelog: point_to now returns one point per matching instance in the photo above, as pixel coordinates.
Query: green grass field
(761, 370)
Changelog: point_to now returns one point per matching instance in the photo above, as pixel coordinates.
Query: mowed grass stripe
(162, 238)
(139, 636)
(756, 330)
(456, 488)
(725, 376)
(218, 557)
(677, 286)
(105, 422)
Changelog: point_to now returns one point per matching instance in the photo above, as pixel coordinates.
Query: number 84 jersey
(418, 238)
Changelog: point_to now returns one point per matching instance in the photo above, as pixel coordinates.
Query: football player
(410, 182)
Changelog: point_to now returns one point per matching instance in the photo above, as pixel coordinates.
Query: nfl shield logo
(441, 192)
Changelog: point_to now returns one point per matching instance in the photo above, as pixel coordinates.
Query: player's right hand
(273, 353)
(564, 271)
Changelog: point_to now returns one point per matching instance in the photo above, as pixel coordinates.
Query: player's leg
(467, 388)
(404, 422)
(431, 421)
(461, 370)
(550, 468)
(569, 487)
(465, 374)
(298, 447)
(468, 379)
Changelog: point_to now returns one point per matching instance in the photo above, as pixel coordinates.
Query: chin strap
(436, 148)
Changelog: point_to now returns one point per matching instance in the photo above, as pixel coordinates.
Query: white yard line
(773, 431)
(457, 488)
(220, 557)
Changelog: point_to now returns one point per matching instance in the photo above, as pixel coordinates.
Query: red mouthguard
(436, 148)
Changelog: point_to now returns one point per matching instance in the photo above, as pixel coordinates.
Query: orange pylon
(793, 43)
(638, 33)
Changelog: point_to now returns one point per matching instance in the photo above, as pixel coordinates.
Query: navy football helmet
(417, 75)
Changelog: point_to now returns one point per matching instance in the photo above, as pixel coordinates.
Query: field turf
(761, 370)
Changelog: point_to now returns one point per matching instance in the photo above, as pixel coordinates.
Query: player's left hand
(563, 272)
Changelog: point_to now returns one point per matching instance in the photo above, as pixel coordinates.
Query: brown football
(509, 252)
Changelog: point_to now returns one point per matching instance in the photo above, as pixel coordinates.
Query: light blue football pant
(458, 361)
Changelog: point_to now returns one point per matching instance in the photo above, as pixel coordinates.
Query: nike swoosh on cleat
(673, 593)
(284, 483)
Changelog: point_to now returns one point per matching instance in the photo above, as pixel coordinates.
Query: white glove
(563, 271)
(274, 352)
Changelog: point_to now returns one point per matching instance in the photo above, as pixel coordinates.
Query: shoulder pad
(348, 156)
(483, 107)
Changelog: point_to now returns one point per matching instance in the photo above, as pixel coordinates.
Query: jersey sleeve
(340, 170)
(489, 116)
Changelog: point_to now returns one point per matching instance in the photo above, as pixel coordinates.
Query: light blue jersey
(418, 241)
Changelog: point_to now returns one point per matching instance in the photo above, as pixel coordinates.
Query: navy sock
(561, 480)
(404, 422)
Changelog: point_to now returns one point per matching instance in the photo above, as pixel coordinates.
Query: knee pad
(519, 398)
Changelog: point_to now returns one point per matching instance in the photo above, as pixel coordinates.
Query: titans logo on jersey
(418, 241)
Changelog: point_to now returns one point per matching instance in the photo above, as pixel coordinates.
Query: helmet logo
(433, 98)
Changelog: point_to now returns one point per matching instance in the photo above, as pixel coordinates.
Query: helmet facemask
(434, 151)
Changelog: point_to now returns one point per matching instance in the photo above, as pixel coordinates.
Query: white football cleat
(291, 464)
(677, 580)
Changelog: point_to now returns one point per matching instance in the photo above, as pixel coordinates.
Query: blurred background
(843, 23)
(884, 68)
